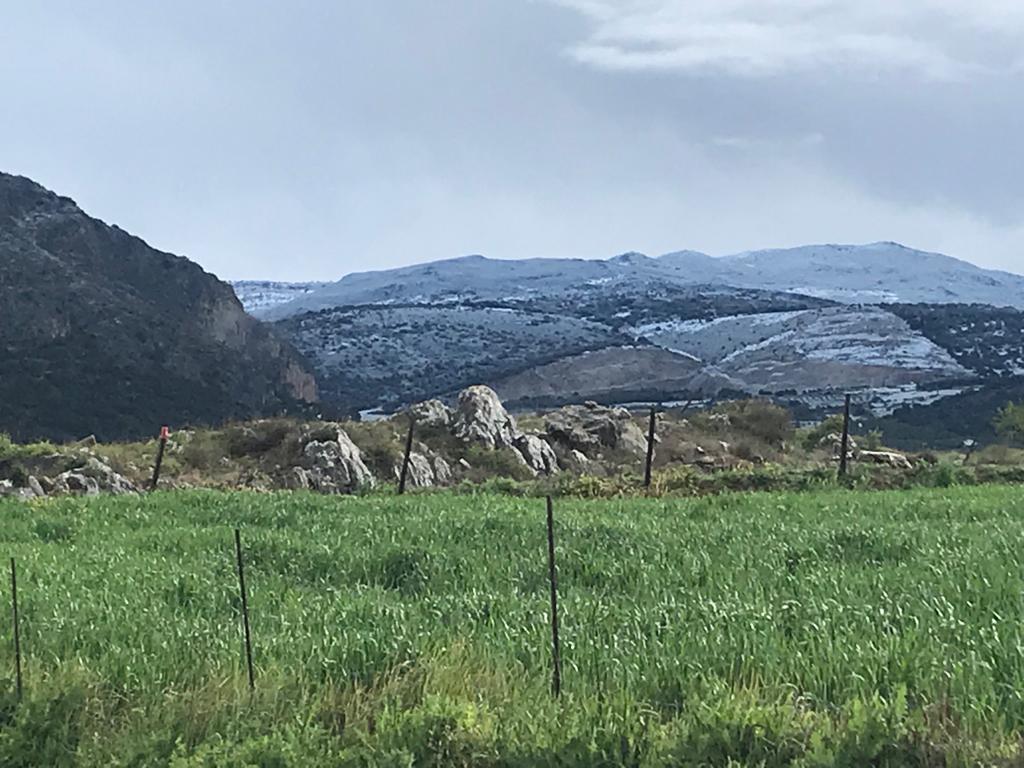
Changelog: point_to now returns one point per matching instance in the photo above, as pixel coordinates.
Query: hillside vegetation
(102, 334)
(585, 451)
(834, 628)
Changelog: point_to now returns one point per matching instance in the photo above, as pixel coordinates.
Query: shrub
(257, 438)
(503, 462)
(811, 437)
(873, 440)
(761, 419)
(1009, 422)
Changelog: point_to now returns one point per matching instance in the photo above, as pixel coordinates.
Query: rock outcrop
(331, 466)
(431, 414)
(481, 418)
(538, 455)
(885, 458)
(91, 478)
(592, 430)
(426, 471)
(103, 335)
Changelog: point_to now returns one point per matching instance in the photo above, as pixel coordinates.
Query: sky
(309, 139)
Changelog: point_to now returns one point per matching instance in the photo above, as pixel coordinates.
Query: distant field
(825, 628)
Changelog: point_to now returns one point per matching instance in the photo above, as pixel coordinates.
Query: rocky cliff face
(103, 334)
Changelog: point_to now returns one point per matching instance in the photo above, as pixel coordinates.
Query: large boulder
(834, 441)
(481, 418)
(886, 458)
(431, 414)
(8, 490)
(332, 466)
(92, 478)
(592, 430)
(426, 469)
(538, 455)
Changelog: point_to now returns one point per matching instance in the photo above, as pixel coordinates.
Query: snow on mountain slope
(813, 349)
(477, 278)
(389, 355)
(616, 374)
(260, 295)
(872, 274)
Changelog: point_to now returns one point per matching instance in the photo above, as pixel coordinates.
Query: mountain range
(104, 334)
(869, 274)
(903, 329)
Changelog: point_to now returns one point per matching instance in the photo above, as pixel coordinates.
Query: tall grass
(765, 629)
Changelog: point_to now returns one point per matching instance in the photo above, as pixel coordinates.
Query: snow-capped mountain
(872, 274)
(899, 327)
(260, 295)
(855, 274)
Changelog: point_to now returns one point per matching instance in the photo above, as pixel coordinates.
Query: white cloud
(933, 39)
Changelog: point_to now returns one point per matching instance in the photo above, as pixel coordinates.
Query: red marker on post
(165, 433)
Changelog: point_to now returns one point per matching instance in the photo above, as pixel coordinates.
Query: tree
(1009, 422)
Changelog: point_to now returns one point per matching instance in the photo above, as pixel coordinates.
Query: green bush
(503, 462)
(811, 437)
(761, 419)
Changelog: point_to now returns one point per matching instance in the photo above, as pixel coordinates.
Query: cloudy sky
(307, 139)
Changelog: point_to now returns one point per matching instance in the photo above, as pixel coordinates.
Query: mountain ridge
(873, 273)
(104, 334)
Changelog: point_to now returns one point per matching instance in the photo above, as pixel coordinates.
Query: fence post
(650, 447)
(164, 434)
(245, 610)
(556, 649)
(844, 449)
(17, 629)
(408, 452)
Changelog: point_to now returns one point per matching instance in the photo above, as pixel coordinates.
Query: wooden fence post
(245, 610)
(17, 629)
(408, 452)
(556, 648)
(164, 434)
(650, 447)
(844, 449)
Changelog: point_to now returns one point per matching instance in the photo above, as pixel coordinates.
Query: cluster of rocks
(332, 464)
(573, 436)
(323, 458)
(89, 476)
(854, 453)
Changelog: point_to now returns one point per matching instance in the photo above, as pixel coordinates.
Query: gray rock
(593, 429)
(886, 458)
(298, 479)
(431, 413)
(481, 418)
(834, 441)
(9, 491)
(336, 466)
(76, 484)
(425, 470)
(539, 456)
(92, 478)
(421, 473)
(574, 461)
(442, 471)
(35, 486)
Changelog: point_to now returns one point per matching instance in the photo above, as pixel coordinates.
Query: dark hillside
(103, 334)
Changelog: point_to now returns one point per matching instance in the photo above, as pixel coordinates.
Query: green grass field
(826, 628)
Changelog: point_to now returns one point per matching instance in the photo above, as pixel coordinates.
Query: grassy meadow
(827, 628)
